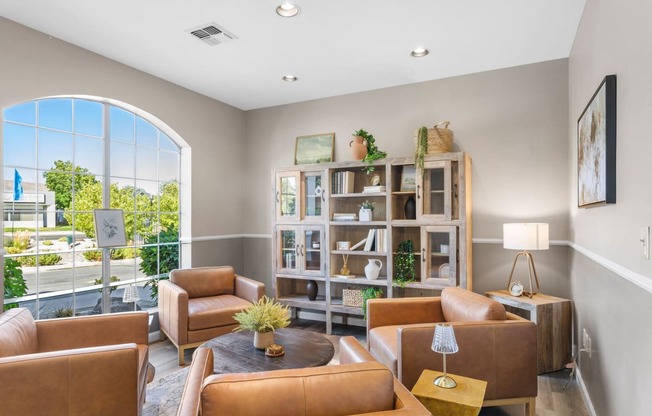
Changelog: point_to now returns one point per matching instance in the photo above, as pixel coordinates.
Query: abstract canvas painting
(596, 147)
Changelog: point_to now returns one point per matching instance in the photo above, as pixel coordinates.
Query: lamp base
(445, 382)
(531, 271)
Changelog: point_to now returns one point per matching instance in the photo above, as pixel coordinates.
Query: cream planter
(263, 340)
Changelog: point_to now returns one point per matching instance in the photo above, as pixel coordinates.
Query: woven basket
(440, 138)
(352, 297)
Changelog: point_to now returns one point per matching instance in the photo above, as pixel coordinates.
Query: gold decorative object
(344, 271)
(274, 350)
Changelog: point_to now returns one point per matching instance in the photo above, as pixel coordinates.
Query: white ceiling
(335, 47)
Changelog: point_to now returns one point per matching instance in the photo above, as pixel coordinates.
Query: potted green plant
(370, 293)
(366, 209)
(263, 318)
(373, 153)
(404, 264)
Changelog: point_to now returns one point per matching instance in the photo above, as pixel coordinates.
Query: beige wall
(35, 65)
(511, 121)
(614, 37)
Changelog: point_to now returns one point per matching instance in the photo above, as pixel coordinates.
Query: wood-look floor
(553, 399)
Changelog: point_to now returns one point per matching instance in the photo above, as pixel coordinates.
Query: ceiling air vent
(211, 33)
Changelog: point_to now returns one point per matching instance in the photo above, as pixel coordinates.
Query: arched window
(64, 158)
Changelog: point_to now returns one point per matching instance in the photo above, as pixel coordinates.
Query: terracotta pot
(358, 148)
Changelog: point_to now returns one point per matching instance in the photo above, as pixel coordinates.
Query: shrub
(63, 312)
(43, 260)
(112, 279)
(21, 240)
(123, 253)
(15, 285)
(47, 243)
(63, 240)
(92, 255)
(169, 258)
(13, 250)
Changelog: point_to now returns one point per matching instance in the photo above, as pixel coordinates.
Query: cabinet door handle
(455, 190)
(423, 254)
(323, 196)
(303, 253)
(418, 191)
(297, 250)
(277, 197)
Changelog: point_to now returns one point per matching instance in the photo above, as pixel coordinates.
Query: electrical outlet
(645, 242)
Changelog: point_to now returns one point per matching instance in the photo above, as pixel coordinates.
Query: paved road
(60, 278)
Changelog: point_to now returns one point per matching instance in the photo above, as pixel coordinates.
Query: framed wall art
(596, 147)
(109, 228)
(317, 148)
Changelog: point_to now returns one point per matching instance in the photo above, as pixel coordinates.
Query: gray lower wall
(616, 314)
(258, 262)
(226, 252)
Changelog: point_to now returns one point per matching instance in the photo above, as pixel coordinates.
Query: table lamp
(444, 343)
(131, 294)
(524, 237)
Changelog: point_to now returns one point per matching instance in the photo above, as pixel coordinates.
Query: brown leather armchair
(86, 365)
(360, 385)
(198, 304)
(494, 345)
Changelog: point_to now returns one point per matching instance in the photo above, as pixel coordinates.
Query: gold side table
(464, 400)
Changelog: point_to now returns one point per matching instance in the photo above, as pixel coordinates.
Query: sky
(38, 133)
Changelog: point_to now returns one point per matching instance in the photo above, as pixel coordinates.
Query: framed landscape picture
(109, 228)
(596, 147)
(317, 148)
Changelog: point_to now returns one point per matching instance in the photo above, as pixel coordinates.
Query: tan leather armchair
(360, 385)
(494, 345)
(198, 304)
(87, 365)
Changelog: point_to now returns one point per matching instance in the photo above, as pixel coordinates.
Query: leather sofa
(198, 304)
(87, 365)
(359, 385)
(494, 345)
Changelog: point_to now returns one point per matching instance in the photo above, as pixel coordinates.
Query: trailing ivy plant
(404, 264)
(370, 293)
(15, 285)
(421, 146)
(373, 153)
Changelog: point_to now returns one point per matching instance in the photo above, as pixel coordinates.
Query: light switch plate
(645, 242)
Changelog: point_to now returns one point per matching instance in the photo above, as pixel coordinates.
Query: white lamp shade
(131, 294)
(525, 236)
(444, 341)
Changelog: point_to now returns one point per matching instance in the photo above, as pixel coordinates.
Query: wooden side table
(554, 325)
(464, 400)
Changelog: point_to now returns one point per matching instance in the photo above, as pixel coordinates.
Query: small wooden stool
(464, 400)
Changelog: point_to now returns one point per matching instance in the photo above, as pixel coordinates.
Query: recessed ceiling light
(419, 52)
(287, 9)
(290, 78)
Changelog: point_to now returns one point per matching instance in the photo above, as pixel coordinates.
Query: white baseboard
(585, 392)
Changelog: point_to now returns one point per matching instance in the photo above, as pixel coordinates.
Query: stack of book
(342, 182)
(344, 216)
(376, 240)
(374, 189)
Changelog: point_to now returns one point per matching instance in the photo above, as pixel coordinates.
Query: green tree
(159, 260)
(15, 285)
(60, 181)
(169, 202)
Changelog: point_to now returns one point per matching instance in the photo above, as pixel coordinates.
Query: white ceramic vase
(263, 340)
(364, 215)
(372, 269)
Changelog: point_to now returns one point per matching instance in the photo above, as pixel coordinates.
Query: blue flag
(18, 187)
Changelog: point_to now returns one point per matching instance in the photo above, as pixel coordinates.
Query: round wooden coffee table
(235, 352)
